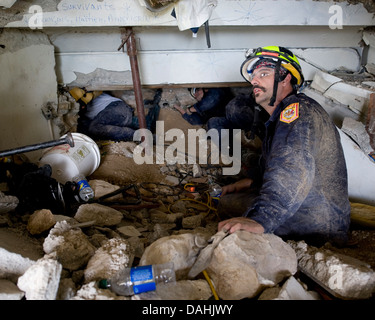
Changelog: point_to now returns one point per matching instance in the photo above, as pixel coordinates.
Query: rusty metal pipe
(67, 140)
(132, 53)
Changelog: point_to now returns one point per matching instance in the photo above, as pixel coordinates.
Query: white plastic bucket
(67, 161)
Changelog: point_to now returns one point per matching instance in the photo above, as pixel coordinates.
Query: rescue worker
(211, 102)
(106, 117)
(302, 189)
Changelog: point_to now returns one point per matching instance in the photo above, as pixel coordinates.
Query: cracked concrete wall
(27, 82)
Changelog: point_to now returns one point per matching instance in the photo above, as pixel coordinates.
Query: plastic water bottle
(130, 281)
(84, 190)
(214, 189)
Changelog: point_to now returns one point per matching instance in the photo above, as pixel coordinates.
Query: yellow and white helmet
(285, 57)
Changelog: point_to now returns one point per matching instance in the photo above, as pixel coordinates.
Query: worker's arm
(237, 186)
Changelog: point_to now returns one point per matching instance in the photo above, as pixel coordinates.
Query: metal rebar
(67, 140)
(132, 53)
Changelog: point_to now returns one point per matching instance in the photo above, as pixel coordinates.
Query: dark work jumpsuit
(212, 105)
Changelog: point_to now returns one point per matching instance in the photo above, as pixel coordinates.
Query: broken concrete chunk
(90, 291)
(103, 215)
(291, 290)
(13, 265)
(7, 203)
(181, 249)
(40, 221)
(192, 222)
(102, 188)
(67, 289)
(71, 245)
(357, 131)
(347, 277)
(9, 291)
(158, 216)
(181, 290)
(41, 280)
(129, 231)
(335, 88)
(113, 256)
(245, 263)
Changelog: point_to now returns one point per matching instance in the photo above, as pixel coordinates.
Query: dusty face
(199, 93)
(262, 80)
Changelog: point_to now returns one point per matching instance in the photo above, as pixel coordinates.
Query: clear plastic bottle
(130, 281)
(84, 190)
(214, 189)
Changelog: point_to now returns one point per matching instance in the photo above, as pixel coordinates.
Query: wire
(211, 285)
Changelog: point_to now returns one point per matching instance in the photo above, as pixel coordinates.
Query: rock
(197, 170)
(158, 216)
(103, 215)
(181, 249)
(41, 280)
(345, 276)
(245, 263)
(71, 245)
(357, 131)
(67, 289)
(90, 291)
(40, 221)
(192, 222)
(114, 255)
(181, 290)
(9, 291)
(129, 231)
(291, 290)
(7, 203)
(178, 206)
(13, 265)
(102, 188)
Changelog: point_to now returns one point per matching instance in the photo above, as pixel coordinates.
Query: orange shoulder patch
(290, 113)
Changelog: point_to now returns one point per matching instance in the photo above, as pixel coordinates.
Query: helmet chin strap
(275, 83)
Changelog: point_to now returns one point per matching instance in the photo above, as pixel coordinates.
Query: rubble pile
(168, 218)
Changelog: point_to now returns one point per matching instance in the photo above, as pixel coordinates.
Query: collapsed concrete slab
(344, 276)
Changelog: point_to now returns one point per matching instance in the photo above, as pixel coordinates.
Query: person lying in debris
(104, 117)
(211, 102)
(301, 189)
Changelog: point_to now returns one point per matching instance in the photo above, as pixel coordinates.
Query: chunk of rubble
(13, 265)
(41, 280)
(344, 276)
(181, 249)
(290, 290)
(103, 215)
(7, 203)
(40, 221)
(181, 290)
(90, 291)
(71, 245)
(9, 291)
(245, 263)
(115, 254)
(357, 131)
